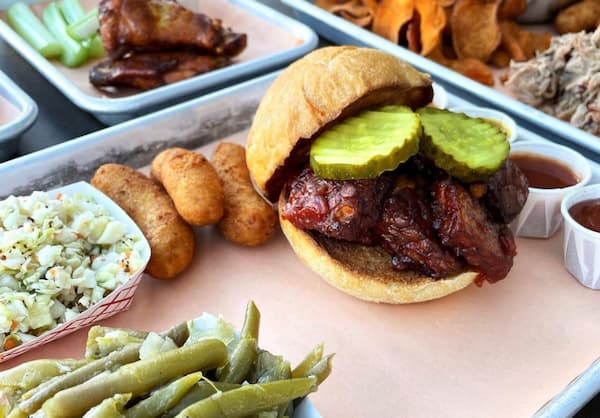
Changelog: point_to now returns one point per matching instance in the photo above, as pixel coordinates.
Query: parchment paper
(8, 111)
(502, 350)
(263, 38)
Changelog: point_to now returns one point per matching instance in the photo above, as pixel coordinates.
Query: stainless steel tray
(112, 110)
(27, 112)
(193, 124)
(342, 32)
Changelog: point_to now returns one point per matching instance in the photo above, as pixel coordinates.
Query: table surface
(59, 120)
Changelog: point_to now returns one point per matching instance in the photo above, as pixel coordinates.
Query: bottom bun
(366, 272)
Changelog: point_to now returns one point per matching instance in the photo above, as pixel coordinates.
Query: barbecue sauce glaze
(587, 213)
(544, 172)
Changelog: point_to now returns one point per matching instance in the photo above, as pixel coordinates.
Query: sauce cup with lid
(581, 245)
(541, 217)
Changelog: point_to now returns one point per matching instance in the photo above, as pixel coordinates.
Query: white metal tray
(343, 32)
(221, 115)
(27, 112)
(112, 110)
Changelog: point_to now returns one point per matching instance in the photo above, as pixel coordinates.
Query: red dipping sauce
(544, 172)
(587, 213)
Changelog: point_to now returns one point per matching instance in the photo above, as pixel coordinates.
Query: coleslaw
(59, 255)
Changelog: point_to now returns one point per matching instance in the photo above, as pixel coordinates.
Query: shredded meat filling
(405, 231)
(346, 210)
(427, 221)
(463, 224)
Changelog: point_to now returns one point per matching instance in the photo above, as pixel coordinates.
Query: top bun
(316, 91)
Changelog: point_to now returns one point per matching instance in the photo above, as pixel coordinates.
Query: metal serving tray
(112, 110)
(27, 112)
(365, 336)
(342, 32)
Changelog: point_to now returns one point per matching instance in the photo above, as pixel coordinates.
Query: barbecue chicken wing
(155, 25)
(149, 70)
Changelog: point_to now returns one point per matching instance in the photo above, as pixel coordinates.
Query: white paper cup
(581, 246)
(541, 217)
(501, 118)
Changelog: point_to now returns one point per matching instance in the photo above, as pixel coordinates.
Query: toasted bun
(366, 272)
(314, 92)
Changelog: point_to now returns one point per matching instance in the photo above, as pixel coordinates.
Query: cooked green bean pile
(197, 369)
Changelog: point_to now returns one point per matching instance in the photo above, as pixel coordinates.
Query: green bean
(31, 401)
(32, 30)
(73, 54)
(95, 350)
(251, 322)
(244, 354)
(137, 378)
(110, 408)
(197, 393)
(250, 399)
(322, 369)
(309, 361)
(178, 333)
(28, 375)
(240, 362)
(163, 399)
(270, 367)
(268, 414)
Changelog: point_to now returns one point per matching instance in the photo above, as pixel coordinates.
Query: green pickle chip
(366, 145)
(469, 149)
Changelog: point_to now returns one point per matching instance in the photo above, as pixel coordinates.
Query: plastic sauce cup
(541, 217)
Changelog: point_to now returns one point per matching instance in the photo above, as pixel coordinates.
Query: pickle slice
(469, 149)
(366, 145)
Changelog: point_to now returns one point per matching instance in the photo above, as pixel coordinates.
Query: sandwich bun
(366, 272)
(311, 95)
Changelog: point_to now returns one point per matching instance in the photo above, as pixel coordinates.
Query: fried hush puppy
(248, 219)
(171, 239)
(584, 15)
(192, 183)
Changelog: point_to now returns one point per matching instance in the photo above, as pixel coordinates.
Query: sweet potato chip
(469, 67)
(445, 3)
(433, 21)
(510, 40)
(371, 4)
(522, 44)
(533, 41)
(475, 29)
(391, 16)
(412, 34)
(511, 9)
(500, 58)
(352, 10)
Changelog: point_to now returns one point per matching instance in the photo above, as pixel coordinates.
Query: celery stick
(74, 54)
(33, 31)
(95, 47)
(71, 11)
(85, 27)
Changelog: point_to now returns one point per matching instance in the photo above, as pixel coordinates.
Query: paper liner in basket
(116, 301)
